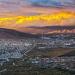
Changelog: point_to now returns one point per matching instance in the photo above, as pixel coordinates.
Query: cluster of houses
(55, 43)
(11, 48)
(54, 62)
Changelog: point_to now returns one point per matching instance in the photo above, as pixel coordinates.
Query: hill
(51, 53)
(72, 53)
(9, 33)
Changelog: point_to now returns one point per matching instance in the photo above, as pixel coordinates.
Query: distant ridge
(9, 33)
(53, 27)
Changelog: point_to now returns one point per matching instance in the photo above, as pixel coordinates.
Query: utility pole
(43, 35)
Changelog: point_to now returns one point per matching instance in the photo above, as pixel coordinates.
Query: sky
(18, 14)
(16, 5)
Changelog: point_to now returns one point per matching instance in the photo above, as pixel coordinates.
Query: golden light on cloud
(60, 18)
(47, 18)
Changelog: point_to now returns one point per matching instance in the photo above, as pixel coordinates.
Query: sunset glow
(57, 18)
(20, 14)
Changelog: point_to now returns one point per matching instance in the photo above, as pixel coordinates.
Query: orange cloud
(61, 18)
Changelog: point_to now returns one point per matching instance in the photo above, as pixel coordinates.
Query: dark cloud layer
(45, 3)
(54, 3)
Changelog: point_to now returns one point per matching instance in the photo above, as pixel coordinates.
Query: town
(13, 53)
(13, 48)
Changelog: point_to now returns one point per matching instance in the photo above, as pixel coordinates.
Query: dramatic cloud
(54, 3)
(18, 14)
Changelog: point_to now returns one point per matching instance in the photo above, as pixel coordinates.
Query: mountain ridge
(10, 33)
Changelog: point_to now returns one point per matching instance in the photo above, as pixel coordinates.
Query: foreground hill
(72, 53)
(51, 53)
